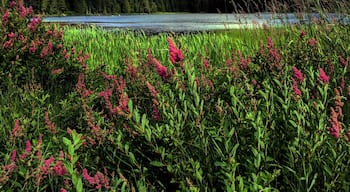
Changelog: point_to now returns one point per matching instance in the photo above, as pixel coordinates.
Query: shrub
(32, 51)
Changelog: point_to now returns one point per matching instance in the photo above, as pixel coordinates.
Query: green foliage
(248, 110)
(31, 51)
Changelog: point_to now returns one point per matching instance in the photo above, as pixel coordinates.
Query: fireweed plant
(197, 112)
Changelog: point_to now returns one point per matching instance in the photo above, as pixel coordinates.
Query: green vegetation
(89, 7)
(247, 110)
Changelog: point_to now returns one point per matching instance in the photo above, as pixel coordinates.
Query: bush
(31, 51)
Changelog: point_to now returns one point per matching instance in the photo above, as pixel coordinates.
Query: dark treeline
(93, 7)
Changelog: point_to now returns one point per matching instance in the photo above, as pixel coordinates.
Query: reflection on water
(192, 22)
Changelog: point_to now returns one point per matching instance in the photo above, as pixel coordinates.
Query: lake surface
(185, 22)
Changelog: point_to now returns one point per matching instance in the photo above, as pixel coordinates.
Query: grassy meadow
(85, 109)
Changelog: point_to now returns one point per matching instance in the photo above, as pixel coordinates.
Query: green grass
(112, 48)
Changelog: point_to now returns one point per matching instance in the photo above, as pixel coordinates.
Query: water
(186, 22)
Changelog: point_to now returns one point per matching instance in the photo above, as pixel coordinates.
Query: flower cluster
(298, 75)
(50, 125)
(323, 76)
(335, 125)
(161, 70)
(16, 132)
(175, 53)
(99, 180)
(336, 114)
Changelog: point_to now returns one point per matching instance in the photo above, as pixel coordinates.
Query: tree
(154, 7)
(115, 7)
(160, 5)
(62, 6)
(126, 6)
(53, 9)
(44, 4)
(146, 6)
(80, 6)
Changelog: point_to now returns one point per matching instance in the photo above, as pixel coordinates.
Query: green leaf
(79, 187)
(144, 121)
(136, 116)
(67, 141)
(157, 164)
(293, 123)
(130, 106)
(71, 150)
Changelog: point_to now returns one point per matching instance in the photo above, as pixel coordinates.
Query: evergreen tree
(44, 6)
(161, 5)
(80, 6)
(53, 9)
(61, 5)
(126, 6)
(154, 7)
(115, 7)
(146, 6)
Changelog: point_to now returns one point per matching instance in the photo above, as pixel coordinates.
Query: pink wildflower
(342, 83)
(16, 131)
(60, 34)
(8, 44)
(88, 178)
(30, 10)
(335, 125)
(99, 179)
(22, 11)
(61, 155)
(63, 190)
(297, 74)
(22, 38)
(106, 94)
(323, 76)
(28, 147)
(210, 84)
(44, 52)
(13, 155)
(11, 35)
(302, 34)
(27, 150)
(5, 17)
(49, 32)
(59, 168)
(270, 43)
(13, 4)
(156, 115)
(161, 70)
(47, 163)
(49, 125)
(34, 23)
(49, 45)
(32, 47)
(296, 90)
(123, 102)
(196, 80)
(205, 63)
(342, 61)
(312, 42)
(57, 71)
(243, 61)
(152, 90)
(59, 46)
(175, 54)
(254, 82)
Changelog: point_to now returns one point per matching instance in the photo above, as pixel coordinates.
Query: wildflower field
(84, 109)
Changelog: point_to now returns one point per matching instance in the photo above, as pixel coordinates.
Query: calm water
(183, 22)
